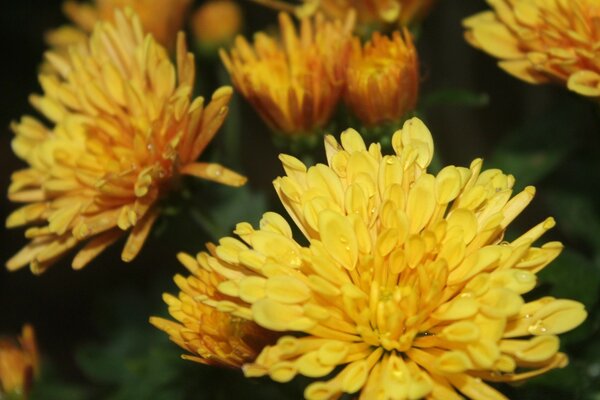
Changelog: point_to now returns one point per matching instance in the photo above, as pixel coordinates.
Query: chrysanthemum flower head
(19, 362)
(382, 81)
(542, 41)
(124, 126)
(162, 18)
(406, 288)
(212, 335)
(296, 84)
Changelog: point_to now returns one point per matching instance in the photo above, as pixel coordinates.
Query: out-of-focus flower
(382, 81)
(162, 18)
(376, 13)
(373, 15)
(407, 288)
(215, 23)
(19, 362)
(124, 128)
(294, 85)
(212, 336)
(542, 41)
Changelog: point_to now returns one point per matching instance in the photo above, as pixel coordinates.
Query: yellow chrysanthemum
(372, 14)
(162, 18)
(295, 88)
(19, 362)
(406, 289)
(213, 336)
(542, 41)
(124, 125)
(382, 81)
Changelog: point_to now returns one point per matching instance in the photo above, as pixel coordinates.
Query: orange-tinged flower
(212, 336)
(542, 41)
(124, 127)
(216, 23)
(407, 288)
(19, 362)
(294, 86)
(378, 13)
(162, 18)
(382, 81)
(372, 14)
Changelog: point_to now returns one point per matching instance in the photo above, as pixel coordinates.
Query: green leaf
(577, 214)
(50, 385)
(232, 205)
(132, 360)
(558, 384)
(534, 150)
(573, 276)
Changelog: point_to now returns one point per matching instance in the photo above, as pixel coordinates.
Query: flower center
(401, 301)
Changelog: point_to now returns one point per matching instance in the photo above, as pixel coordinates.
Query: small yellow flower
(542, 41)
(124, 127)
(372, 14)
(216, 23)
(162, 18)
(382, 81)
(406, 287)
(212, 336)
(18, 364)
(294, 86)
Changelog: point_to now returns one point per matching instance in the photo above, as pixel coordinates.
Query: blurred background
(92, 325)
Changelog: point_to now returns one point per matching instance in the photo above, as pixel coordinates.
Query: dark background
(92, 324)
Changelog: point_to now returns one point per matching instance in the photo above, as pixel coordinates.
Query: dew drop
(399, 375)
(524, 277)
(538, 328)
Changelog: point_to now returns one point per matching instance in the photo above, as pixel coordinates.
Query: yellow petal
(339, 239)
(497, 40)
(214, 172)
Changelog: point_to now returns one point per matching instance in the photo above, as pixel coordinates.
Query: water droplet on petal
(538, 328)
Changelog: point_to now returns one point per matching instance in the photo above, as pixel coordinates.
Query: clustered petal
(294, 85)
(542, 41)
(124, 125)
(406, 288)
(382, 80)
